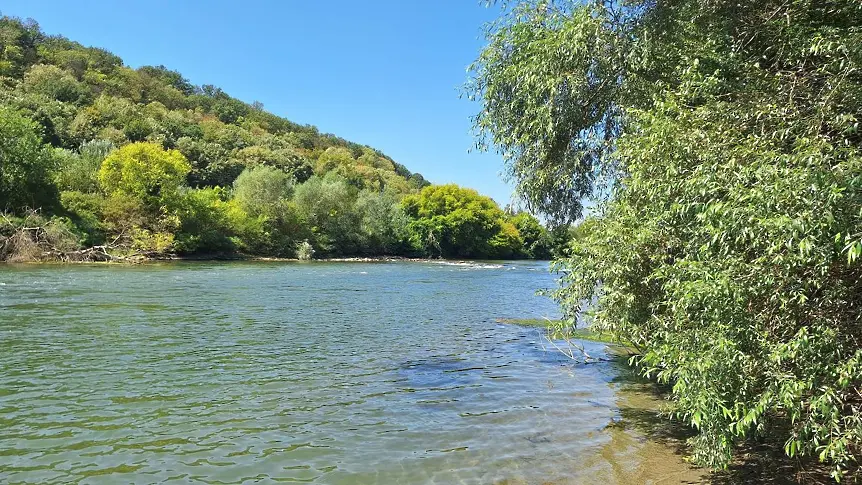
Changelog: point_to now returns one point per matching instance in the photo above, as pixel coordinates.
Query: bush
(55, 83)
(305, 251)
(327, 207)
(79, 171)
(453, 222)
(261, 190)
(384, 225)
(250, 233)
(726, 246)
(87, 212)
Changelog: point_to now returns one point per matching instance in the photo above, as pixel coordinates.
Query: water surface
(337, 373)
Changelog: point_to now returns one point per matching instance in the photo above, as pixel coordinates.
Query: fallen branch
(50, 242)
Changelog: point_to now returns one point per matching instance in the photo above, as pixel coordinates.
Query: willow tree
(725, 244)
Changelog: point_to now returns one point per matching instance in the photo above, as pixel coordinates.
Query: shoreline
(142, 259)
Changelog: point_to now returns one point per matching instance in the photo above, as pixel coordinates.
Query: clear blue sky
(385, 73)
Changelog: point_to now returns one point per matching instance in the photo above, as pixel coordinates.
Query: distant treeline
(140, 161)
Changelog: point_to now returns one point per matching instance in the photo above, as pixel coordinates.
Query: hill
(141, 161)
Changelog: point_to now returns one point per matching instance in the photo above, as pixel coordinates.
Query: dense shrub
(726, 243)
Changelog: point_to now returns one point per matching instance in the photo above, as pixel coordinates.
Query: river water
(336, 373)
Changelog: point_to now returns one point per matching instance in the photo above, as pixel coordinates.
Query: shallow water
(337, 373)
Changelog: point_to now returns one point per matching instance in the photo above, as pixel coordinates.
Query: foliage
(450, 221)
(262, 189)
(326, 204)
(147, 163)
(266, 192)
(205, 225)
(86, 212)
(305, 251)
(54, 83)
(552, 325)
(79, 93)
(537, 243)
(25, 165)
(549, 81)
(78, 171)
(145, 204)
(726, 249)
(144, 171)
(383, 223)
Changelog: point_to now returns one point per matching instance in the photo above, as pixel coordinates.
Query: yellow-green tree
(144, 171)
(146, 176)
(452, 221)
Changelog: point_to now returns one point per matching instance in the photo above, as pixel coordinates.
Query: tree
(19, 40)
(451, 221)
(725, 249)
(55, 83)
(79, 171)
(136, 194)
(171, 78)
(210, 163)
(333, 158)
(137, 129)
(144, 171)
(536, 241)
(25, 165)
(205, 222)
(552, 85)
(286, 159)
(54, 117)
(326, 204)
(262, 189)
(383, 223)
(144, 205)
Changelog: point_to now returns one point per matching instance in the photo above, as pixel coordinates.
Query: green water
(337, 373)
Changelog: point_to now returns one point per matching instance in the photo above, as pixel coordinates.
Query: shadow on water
(642, 409)
(758, 461)
(644, 446)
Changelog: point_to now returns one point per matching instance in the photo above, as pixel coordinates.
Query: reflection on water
(326, 373)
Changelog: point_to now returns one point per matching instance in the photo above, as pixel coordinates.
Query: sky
(384, 73)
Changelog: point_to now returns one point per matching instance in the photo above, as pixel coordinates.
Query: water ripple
(325, 373)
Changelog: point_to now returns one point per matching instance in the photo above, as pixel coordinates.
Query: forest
(100, 161)
(720, 144)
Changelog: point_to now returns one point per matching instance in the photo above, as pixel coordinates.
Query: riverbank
(644, 411)
(99, 255)
(246, 257)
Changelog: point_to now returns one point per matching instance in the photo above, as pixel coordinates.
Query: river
(335, 373)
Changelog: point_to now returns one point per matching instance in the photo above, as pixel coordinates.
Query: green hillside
(140, 161)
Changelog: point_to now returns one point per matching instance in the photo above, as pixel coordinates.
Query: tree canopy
(25, 164)
(145, 162)
(721, 141)
(144, 171)
(452, 221)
